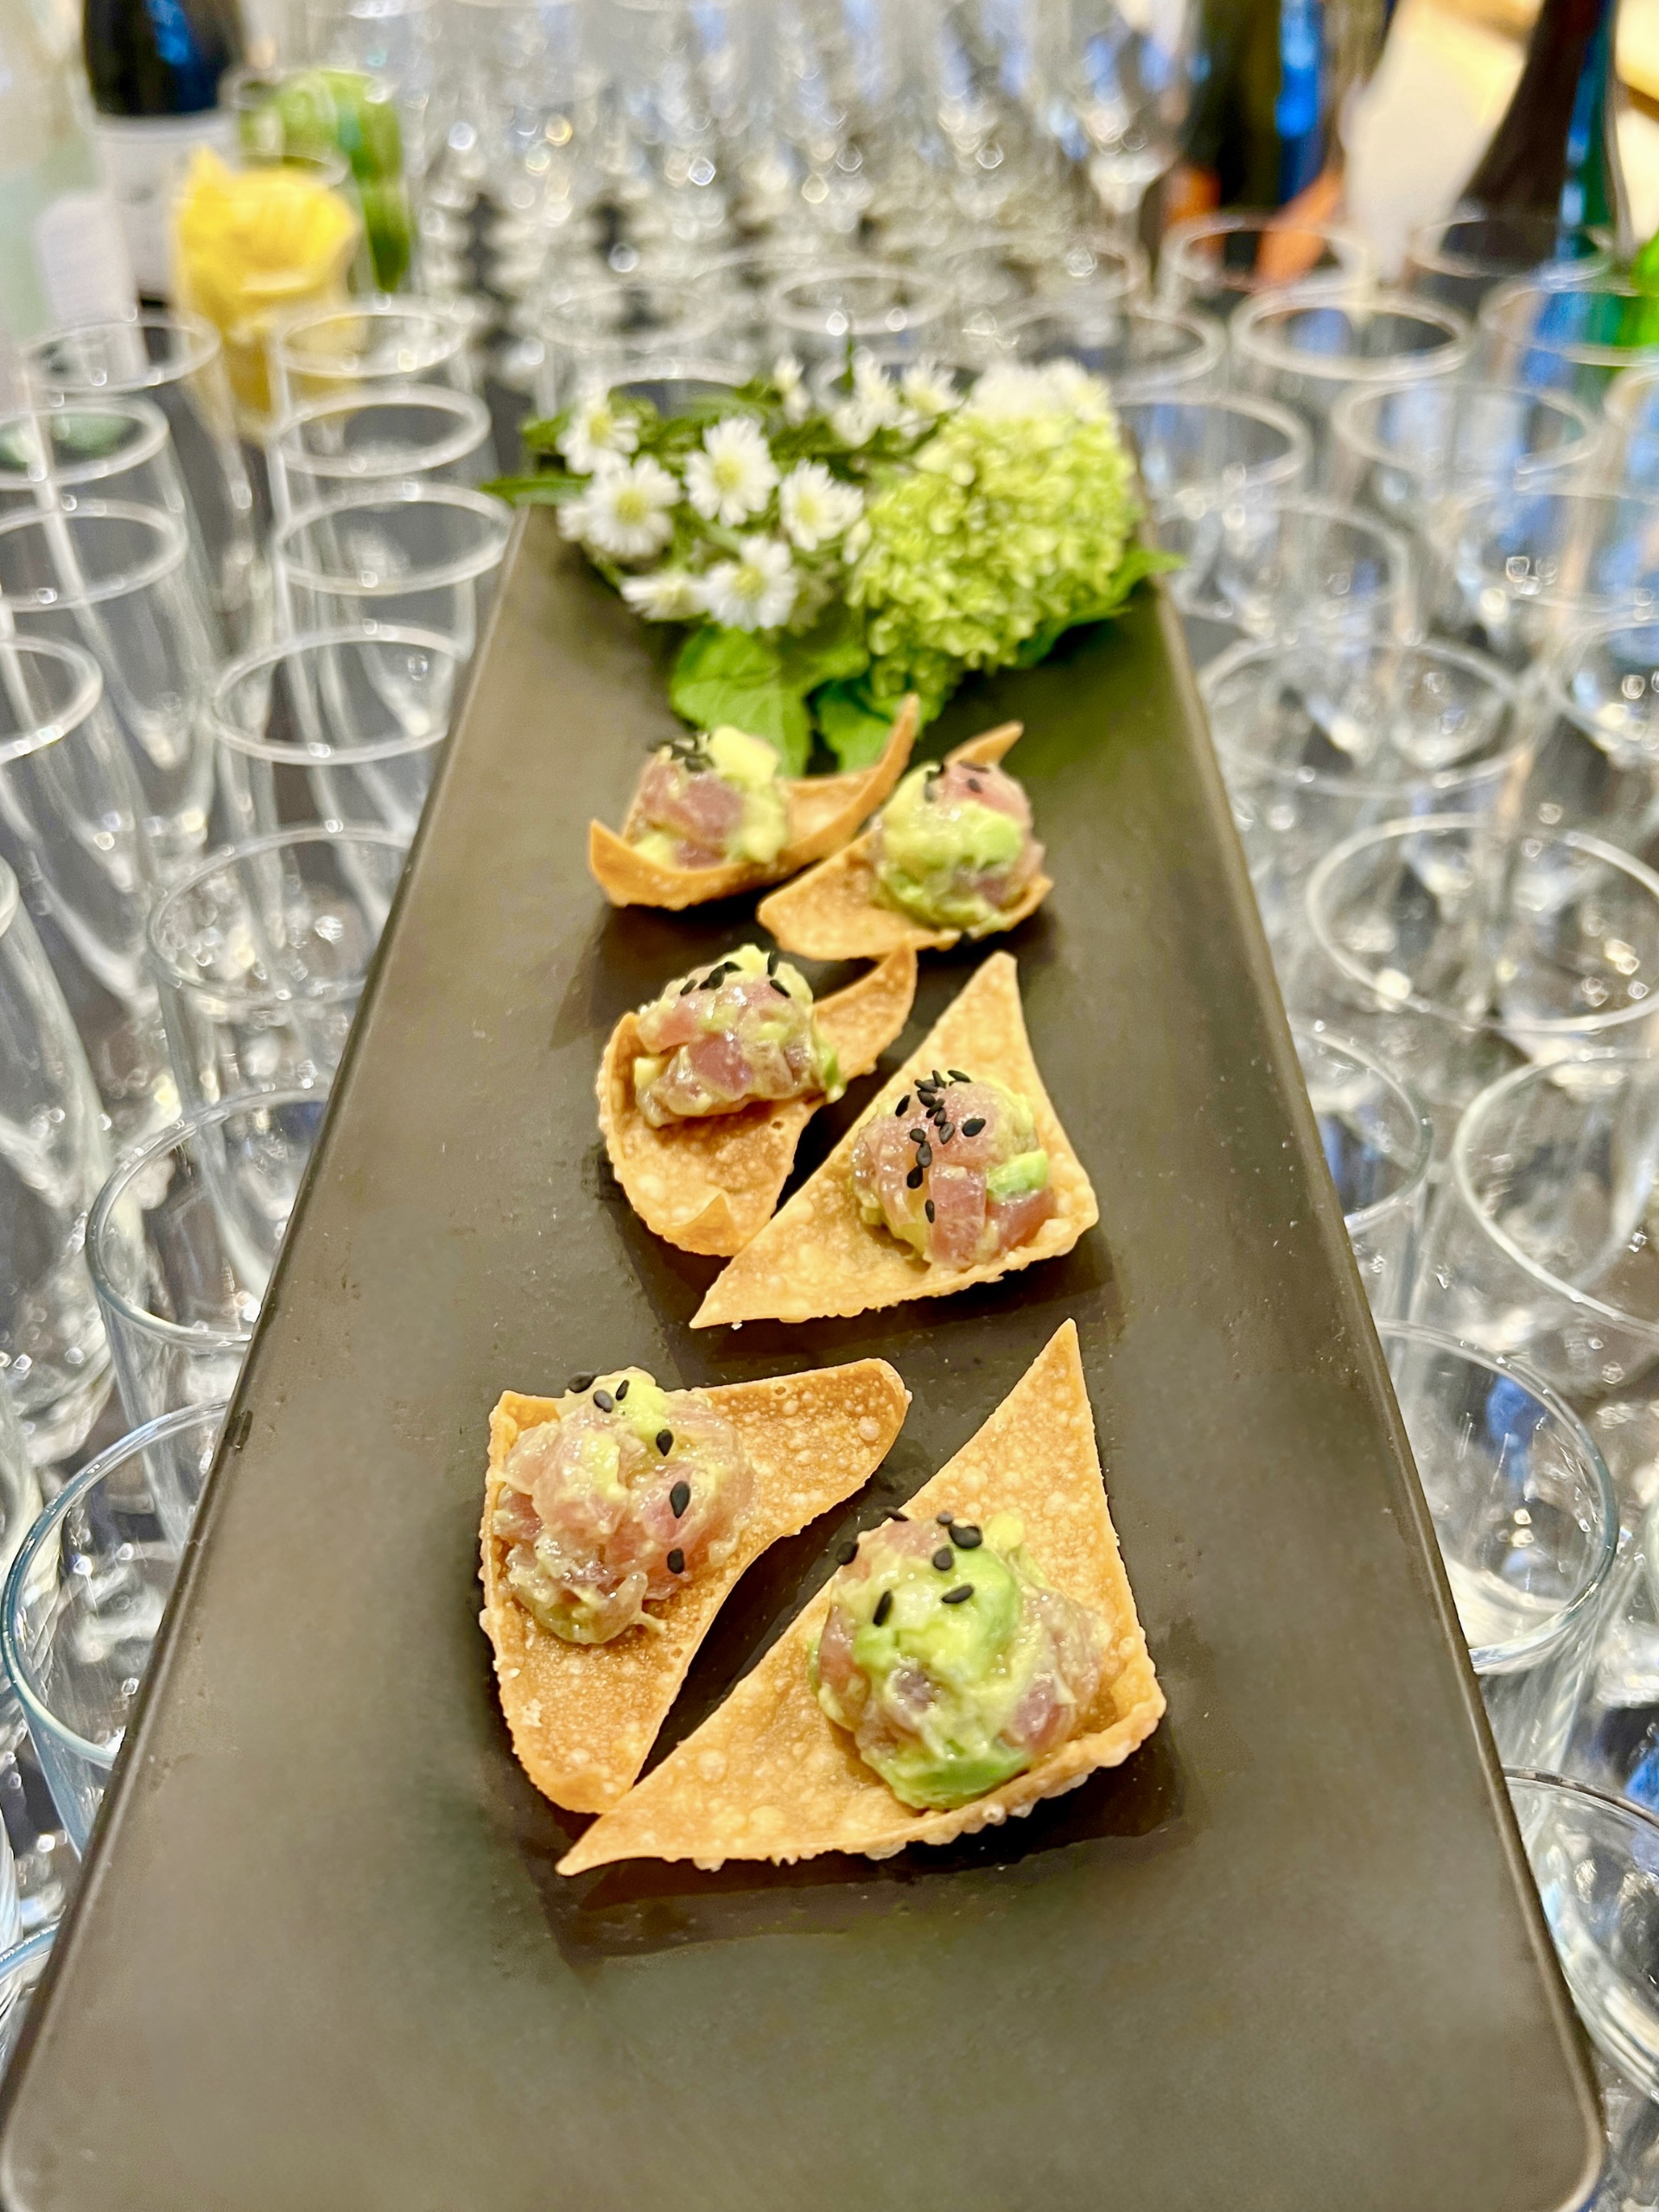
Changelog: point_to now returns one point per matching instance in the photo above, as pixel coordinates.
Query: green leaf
(543, 436)
(732, 676)
(833, 648)
(854, 728)
(549, 491)
(1138, 563)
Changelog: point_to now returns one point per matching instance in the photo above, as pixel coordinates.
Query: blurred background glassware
(996, 270)
(176, 361)
(1573, 338)
(1615, 1745)
(262, 955)
(1306, 350)
(334, 351)
(1378, 1145)
(21, 1968)
(1216, 262)
(417, 555)
(1126, 76)
(118, 580)
(1590, 713)
(183, 1239)
(55, 1362)
(1293, 566)
(607, 332)
(1403, 450)
(41, 1863)
(63, 450)
(86, 1595)
(681, 86)
(258, 239)
(1196, 453)
(344, 112)
(1630, 414)
(1513, 572)
(71, 822)
(900, 314)
(351, 720)
(408, 432)
(1143, 352)
(1455, 954)
(1541, 1245)
(1527, 1520)
(1317, 741)
(1459, 258)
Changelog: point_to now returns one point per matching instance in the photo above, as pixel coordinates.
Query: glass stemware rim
(301, 642)
(386, 491)
(204, 349)
(1626, 392)
(1176, 248)
(174, 550)
(1463, 1137)
(84, 698)
(932, 295)
(230, 856)
(135, 408)
(134, 1444)
(1425, 239)
(127, 1170)
(1492, 1658)
(1581, 639)
(471, 427)
(1422, 1159)
(1249, 333)
(1347, 413)
(454, 323)
(1494, 318)
(1586, 1025)
(1446, 781)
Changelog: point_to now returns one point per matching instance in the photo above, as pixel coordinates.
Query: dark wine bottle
(154, 67)
(1556, 150)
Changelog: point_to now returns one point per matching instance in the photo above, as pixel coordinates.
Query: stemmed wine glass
(1126, 74)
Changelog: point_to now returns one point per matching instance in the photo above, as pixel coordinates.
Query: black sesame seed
(944, 1559)
(902, 1108)
(605, 1401)
(938, 1080)
(945, 1518)
(847, 1552)
(923, 1155)
(781, 989)
(975, 786)
(946, 1132)
(884, 1603)
(927, 1208)
(913, 1180)
(621, 1392)
(678, 1498)
(918, 1136)
(959, 1595)
(676, 1561)
(967, 1536)
(664, 1441)
(688, 987)
(898, 1513)
(957, 1076)
(771, 963)
(581, 1382)
(972, 1129)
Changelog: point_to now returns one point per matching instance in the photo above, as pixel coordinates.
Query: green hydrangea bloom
(1012, 525)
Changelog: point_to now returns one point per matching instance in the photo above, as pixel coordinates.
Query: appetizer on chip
(712, 815)
(950, 855)
(958, 1172)
(617, 1519)
(979, 1655)
(703, 1094)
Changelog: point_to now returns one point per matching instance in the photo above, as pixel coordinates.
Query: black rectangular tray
(1286, 1960)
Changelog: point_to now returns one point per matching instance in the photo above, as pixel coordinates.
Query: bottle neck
(1556, 150)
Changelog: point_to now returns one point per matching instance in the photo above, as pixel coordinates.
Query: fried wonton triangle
(824, 812)
(833, 913)
(582, 1717)
(816, 1257)
(710, 1184)
(769, 1776)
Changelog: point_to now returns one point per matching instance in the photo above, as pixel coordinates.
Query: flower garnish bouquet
(826, 561)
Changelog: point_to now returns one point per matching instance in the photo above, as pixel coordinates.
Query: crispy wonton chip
(816, 1256)
(824, 811)
(709, 1184)
(769, 1776)
(833, 913)
(583, 1716)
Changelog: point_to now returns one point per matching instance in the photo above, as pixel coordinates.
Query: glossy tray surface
(1281, 1961)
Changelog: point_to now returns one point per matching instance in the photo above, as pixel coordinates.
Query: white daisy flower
(757, 591)
(1070, 387)
(926, 389)
(665, 595)
(789, 378)
(853, 422)
(595, 430)
(733, 477)
(1011, 389)
(624, 512)
(816, 507)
